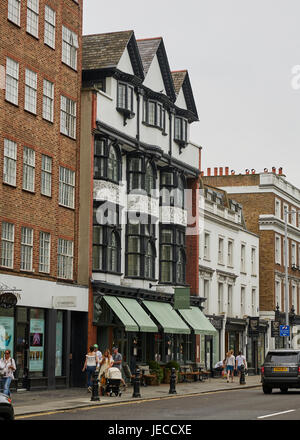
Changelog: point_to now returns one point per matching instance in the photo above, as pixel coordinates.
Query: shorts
(229, 368)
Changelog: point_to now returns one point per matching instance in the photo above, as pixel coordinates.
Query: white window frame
(10, 162)
(277, 249)
(294, 297)
(230, 245)
(206, 293)
(206, 246)
(69, 47)
(294, 254)
(26, 249)
(220, 298)
(253, 260)
(44, 252)
(13, 11)
(230, 300)
(243, 301)
(48, 100)
(278, 208)
(32, 22)
(46, 175)
(49, 33)
(68, 117)
(66, 187)
(221, 242)
(243, 257)
(65, 259)
(288, 253)
(12, 81)
(28, 169)
(7, 244)
(278, 294)
(30, 91)
(253, 301)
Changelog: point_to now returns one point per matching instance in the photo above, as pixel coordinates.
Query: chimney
(232, 172)
(226, 171)
(215, 171)
(280, 171)
(265, 170)
(221, 171)
(274, 170)
(247, 171)
(253, 171)
(208, 171)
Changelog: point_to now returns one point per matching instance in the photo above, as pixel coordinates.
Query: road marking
(276, 414)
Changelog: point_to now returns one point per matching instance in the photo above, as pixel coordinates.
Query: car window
(282, 358)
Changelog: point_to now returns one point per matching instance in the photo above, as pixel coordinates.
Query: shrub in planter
(155, 368)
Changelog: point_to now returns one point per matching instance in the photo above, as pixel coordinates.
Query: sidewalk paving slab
(32, 402)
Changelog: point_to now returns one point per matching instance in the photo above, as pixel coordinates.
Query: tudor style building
(136, 163)
(40, 75)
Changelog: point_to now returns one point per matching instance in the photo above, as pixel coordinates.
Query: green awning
(129, 324)
(198, 321)
(168, 318)
(140, 316)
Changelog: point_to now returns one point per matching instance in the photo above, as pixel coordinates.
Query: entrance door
(208, 352)
(22, 355)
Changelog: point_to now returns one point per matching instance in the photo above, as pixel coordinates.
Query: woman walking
(230, 363)
(7, 368)
(90, 364)
(105, 364)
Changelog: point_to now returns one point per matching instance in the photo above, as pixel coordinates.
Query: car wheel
(284, 390)
(267, 390)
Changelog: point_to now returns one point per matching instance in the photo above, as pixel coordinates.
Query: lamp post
(286, 299)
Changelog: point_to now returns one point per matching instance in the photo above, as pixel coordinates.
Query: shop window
(6, 331)
(59, 344)
(36, 342)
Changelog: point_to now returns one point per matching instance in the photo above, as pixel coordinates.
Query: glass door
(21, 355)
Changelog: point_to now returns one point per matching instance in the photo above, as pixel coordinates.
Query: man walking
(117, 358)
(239, 361)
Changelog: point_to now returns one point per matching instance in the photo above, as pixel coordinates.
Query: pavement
(33, 402)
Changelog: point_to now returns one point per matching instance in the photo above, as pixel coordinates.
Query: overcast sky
(240, 55)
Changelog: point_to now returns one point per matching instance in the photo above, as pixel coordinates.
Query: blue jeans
(5, 384)
(90, 371)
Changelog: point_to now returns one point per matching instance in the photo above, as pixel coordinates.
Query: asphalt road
(248, 404)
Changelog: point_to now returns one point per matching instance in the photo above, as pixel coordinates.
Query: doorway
(208, 352)
(22, 354)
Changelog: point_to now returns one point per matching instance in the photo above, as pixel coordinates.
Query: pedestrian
(117, 357)
(105, 363)
(98, 354)
(230, 364)
(239, 361)
(90, 364)
(7, 368)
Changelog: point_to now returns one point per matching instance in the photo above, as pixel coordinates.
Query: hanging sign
(182, 298)
(8, 300)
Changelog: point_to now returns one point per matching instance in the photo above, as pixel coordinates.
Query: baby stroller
(114, 377)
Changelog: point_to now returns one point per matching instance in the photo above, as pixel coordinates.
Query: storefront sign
(182, 298)
(8, 300)
(275, 331)
(253, 329)
(64, 302)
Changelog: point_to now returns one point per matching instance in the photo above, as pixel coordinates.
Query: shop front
(256, 343)
(235, 335)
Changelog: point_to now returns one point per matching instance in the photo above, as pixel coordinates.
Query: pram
(113, 380)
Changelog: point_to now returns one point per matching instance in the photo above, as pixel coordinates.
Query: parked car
(6, 408)
(281, 369)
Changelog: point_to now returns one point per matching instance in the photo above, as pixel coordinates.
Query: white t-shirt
(230, 360)
(240, 360)
(91, 360)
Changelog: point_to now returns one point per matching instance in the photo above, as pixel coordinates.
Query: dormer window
(125, 100)
(154, 114)
(180, 131)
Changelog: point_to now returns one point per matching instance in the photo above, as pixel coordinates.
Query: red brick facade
(19, 206)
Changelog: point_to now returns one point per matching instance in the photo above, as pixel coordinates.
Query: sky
(243, 59)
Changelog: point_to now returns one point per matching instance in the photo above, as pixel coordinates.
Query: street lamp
(286, 299)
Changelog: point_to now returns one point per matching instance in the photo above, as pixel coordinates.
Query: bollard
(136, 384)
(173, 382)
(242, 375)
(95, 390)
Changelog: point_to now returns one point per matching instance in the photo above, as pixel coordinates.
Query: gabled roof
(181, 80)
(149, 47)
(100, 51)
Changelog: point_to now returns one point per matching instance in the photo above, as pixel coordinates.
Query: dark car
(6, 408)
(281, 369)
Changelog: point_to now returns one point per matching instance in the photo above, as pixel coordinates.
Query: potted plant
(156, 369)
(168, 370)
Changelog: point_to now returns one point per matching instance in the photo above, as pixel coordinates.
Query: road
(248, 404)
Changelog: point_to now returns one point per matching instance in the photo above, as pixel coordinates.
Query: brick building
(40, 67)
(264, 197)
